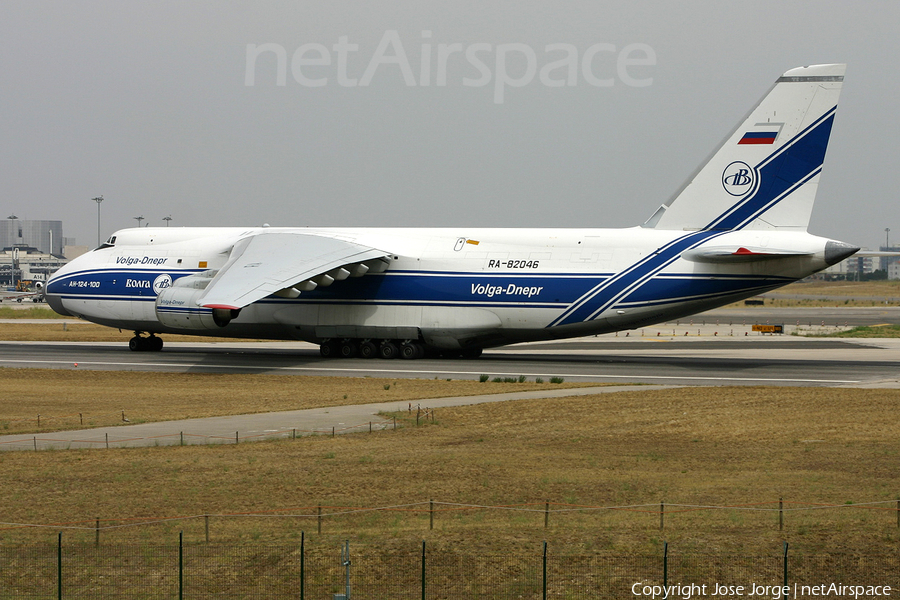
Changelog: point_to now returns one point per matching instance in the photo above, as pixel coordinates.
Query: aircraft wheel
(154, 344)
(19, 300)
(348, 349)
(134, 344)
(388, 350)
(368, 350)
(329, 349)
(471, 353)
(412, 350)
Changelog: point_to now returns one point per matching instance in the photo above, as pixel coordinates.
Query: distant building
(71, 251)
(893, 270)
(19, 263)
(861, 264)
(44, 236)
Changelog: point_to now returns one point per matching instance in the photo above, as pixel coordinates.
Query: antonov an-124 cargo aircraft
(737, 228)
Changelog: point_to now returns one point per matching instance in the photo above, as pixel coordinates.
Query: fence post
(107, 441)
(302, 565)
(665, 564)
(662, 513)
(206, 526)
(97, 532)
(236, 438)
(59, 566)
(319, 521)
(423, 569)
(180, 565)
(780, 514)
(546, 514)
(785, 569)
(544, 595)
(182, 438)
(431, 514)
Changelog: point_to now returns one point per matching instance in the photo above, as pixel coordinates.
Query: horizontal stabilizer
(736, 254)
(267, 263)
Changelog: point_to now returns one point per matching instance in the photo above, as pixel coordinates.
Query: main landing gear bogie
(145, 344)
(369, 348)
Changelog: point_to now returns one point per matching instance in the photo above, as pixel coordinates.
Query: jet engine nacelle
(177, 307)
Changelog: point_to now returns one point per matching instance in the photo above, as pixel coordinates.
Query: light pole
(167, 219)
(139, 219)
(13, 252)
(98, 200)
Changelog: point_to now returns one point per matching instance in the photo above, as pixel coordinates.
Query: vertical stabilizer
(766, 173)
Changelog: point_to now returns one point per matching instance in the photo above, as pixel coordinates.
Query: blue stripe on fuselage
(463, 289)
(778, 175)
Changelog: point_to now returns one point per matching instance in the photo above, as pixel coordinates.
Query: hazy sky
(181, 108)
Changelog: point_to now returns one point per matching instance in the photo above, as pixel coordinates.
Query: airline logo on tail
(737, 179)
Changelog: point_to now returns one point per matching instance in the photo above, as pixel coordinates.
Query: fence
(244, 571)
(662, 515)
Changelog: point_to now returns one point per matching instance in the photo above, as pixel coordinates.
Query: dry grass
(73, 399)
(836, 293)
(83, 332)
(839, 289)
(710, 446)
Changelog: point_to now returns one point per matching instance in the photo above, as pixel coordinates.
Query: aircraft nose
(835, 252)
(54, 300)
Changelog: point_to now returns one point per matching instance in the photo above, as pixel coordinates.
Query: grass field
(77, 399)
(732, 447)
(697, 446)
(836, 293)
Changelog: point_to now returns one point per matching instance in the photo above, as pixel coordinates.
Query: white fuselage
(451, 288)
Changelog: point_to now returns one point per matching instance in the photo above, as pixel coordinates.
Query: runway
(713, 348)
(705, 351)
(684, 361)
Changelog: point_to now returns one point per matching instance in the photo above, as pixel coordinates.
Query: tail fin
(766, 173)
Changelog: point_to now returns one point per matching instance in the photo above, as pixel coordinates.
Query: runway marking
(435, 372)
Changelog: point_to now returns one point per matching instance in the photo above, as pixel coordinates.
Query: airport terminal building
(44, 236)
(30, 249)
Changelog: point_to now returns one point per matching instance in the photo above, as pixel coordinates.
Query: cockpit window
(107, 244)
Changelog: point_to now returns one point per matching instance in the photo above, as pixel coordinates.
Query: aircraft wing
(286, 264)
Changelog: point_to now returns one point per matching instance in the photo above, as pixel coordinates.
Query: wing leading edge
(286, 264)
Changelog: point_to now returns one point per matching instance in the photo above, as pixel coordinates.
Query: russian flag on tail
(759, 137)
